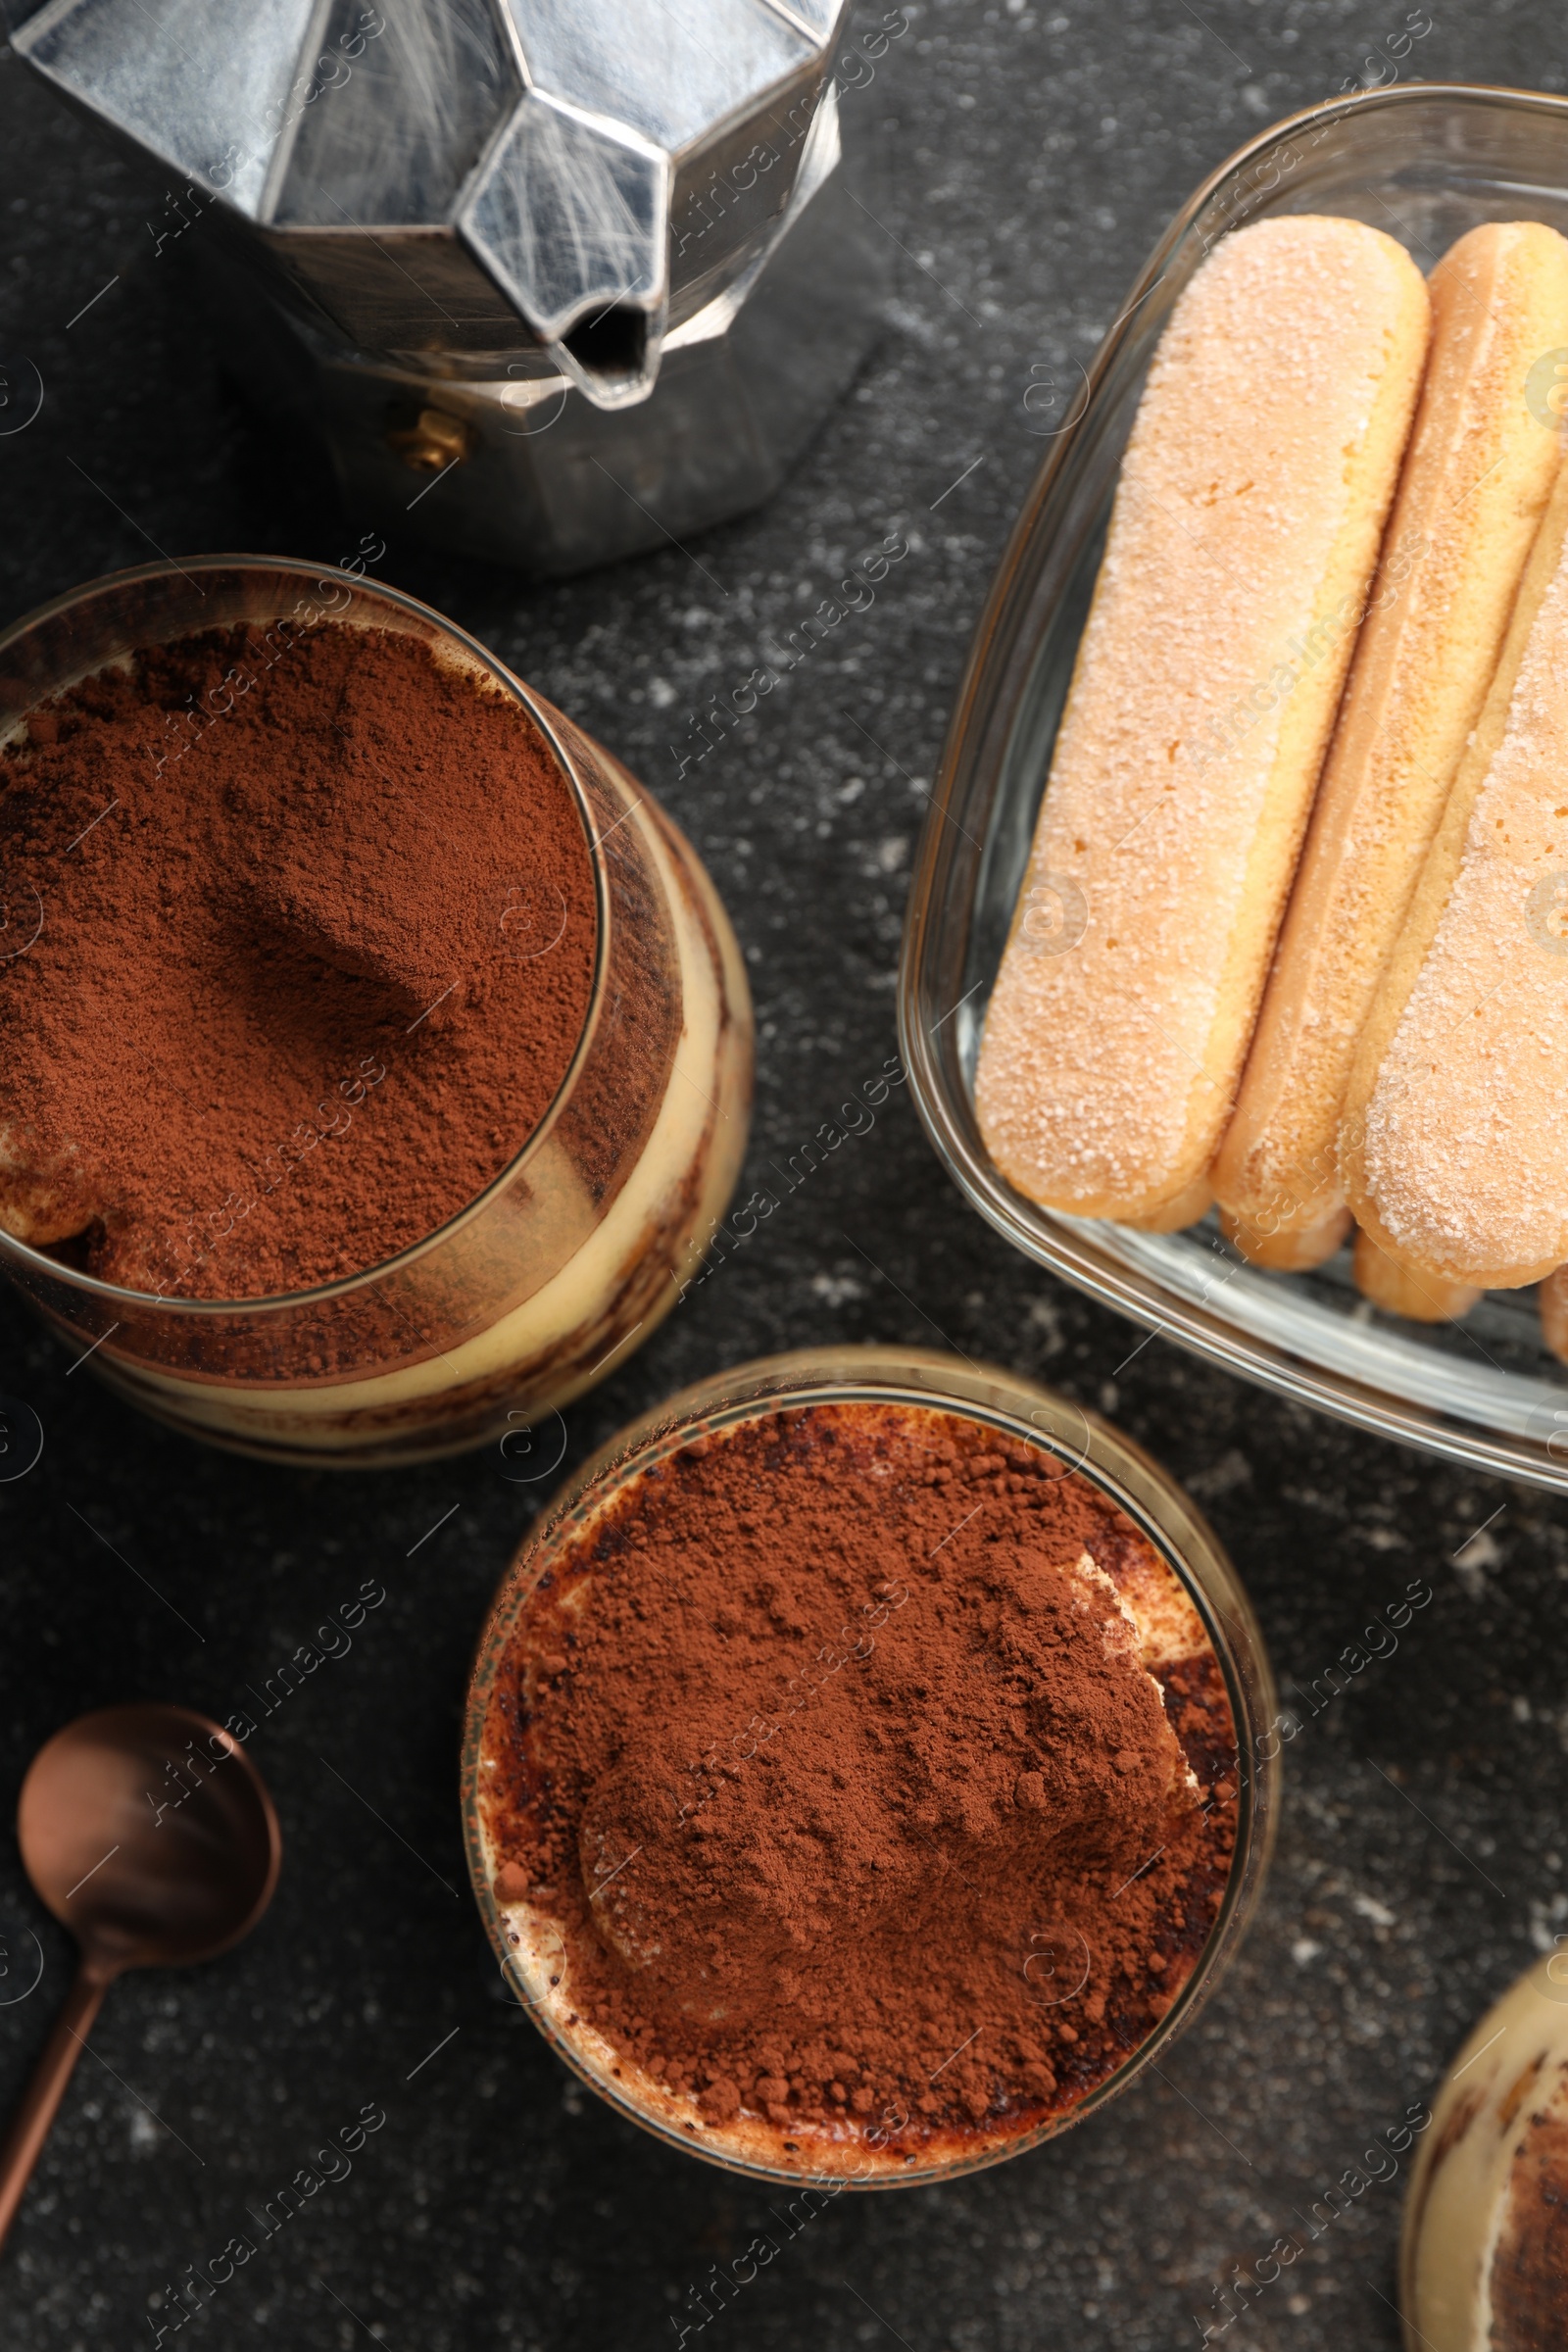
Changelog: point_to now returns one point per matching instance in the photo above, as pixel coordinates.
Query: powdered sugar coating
(1476, 482)
(1463, 1154)
(1212, 655)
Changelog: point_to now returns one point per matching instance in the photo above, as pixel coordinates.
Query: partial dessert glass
(878, 1901)
(1481, 2257)
(580, 1241)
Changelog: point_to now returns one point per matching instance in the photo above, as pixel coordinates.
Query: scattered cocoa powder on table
(304, 981)
(845, 1782)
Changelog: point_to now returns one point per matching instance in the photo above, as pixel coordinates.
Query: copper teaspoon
(149, 1834)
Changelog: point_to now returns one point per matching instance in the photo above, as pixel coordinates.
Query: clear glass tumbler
(529, 1946)
(583, 1240)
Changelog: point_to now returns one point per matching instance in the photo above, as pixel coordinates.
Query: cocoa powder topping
(306, 976)
(831, 1745)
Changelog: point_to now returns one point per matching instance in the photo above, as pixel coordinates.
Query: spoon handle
(29, 2127)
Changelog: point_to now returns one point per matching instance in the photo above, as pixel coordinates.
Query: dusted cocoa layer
(309, 974)
(622, 1252)
(918, 1911)
(580, 1240)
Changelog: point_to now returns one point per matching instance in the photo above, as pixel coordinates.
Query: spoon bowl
(149, 1834)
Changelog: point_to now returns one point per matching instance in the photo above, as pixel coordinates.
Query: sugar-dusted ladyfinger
(1454, 1146)
(1246, 524)
(1479, 471)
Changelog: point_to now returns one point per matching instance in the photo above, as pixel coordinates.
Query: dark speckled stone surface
(1027, 155)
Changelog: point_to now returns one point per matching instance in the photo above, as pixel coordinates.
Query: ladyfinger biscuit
(44, 1194)
(1246, 528)
(1452, 1151)
(1288, 1246)
(1552, 1300)
(1399, 1291)
(1176, 1215)
(1476, 481)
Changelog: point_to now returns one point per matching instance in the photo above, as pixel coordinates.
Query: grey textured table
(1028, 155)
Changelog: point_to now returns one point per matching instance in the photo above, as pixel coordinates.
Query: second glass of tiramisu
(870, 1767)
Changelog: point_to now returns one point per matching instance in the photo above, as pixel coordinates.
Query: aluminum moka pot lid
(477, 179)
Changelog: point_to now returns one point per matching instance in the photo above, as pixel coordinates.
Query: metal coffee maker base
(532, 474)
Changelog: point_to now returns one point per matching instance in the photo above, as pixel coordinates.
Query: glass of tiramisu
(380, 1055)
(870, 1767)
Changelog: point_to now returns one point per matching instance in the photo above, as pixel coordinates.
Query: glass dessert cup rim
(23, 1254)
(1017, 1407)
(1268, 1328)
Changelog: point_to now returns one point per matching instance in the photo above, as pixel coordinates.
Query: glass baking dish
(1426, 164)
(533, 1954)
